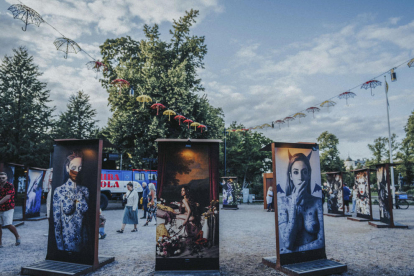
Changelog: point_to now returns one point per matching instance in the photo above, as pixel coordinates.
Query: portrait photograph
(186, 218)
(299, 200)
(335, 199)
(74, 191)
(34, 193)
(363, 201)
(383, 196)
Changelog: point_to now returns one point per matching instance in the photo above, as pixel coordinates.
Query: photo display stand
(335, 195)
(385, 199)
(297, 180)
(363, 200)
(33, 195)
(229, 192)
(187, 235)
(74, 220)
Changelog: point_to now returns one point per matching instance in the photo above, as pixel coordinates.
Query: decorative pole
(389, 140)
(225, 135)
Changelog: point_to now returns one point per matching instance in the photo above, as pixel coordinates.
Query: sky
(266, 60)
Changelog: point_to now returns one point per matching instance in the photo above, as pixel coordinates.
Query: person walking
(152, 202)
(269, 199)
(145, 194)
(346, 194)
(354, 198)
(7, 208)
(131, 209)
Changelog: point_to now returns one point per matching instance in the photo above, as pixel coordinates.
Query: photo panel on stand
(363, 200)
(34, 192)
(299, 204)
(187, 236)
(335, 198)
(73, 224)
(384, 196)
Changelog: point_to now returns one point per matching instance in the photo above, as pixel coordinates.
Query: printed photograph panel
(74, 194)
(299, 200)
(187, 221)
(34, 193)
(383, 196)
(335, 199)
(363, 201)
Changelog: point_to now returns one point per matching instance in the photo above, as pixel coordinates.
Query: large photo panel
(76, 179)
(187, 214)
(385, 208)
(299, 204)
(363, 200)
(335, 197)
(34, 192)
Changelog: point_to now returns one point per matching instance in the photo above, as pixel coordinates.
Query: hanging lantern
(393, 75)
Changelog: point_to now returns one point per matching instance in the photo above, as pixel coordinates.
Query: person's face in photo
(74, 167)
(299, 174)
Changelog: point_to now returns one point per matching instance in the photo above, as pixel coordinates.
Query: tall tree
(380, 148)
(78, 121)
(243, 156)
(165, 71)
(406, 152)
(330, 160)
(25, 117)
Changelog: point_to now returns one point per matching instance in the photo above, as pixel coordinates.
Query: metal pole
(225, 134)
(120, 163)
(389, 141)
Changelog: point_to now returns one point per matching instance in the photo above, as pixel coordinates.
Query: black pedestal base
(55, 268)
(317, 267)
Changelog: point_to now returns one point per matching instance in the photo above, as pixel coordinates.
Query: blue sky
(266, 59)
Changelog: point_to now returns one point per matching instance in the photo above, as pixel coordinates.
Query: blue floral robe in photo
(69, 207)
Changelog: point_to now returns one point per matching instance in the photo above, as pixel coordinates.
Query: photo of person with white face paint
(70, 203)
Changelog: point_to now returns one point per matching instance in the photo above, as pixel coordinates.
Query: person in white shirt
(354, 198)
(269, 199)
(131, 209)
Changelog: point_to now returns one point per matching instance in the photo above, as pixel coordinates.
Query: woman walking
(354, 197)
(131, 209)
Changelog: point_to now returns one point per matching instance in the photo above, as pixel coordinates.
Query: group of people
(348, 195)
(131, 199)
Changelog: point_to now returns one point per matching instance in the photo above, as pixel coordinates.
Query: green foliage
(329, 158)
(380, 149)
(25, 117)
(78, 120)
(244, 158)
(406, 153)
(165, 71)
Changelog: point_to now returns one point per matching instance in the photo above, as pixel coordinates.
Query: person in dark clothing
(145, 194)
(346, 193)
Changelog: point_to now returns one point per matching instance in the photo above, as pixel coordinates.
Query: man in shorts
(346, 193)
(7, 207)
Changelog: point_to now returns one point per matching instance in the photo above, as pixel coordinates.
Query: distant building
(351, 163)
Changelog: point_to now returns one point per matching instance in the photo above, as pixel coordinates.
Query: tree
(244, 158)
(25, 117)
(380, 148)
(406, 152)
(78, 120)
(165, 71)
(330, 160)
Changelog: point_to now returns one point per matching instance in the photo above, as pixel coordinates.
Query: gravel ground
(246, 235)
